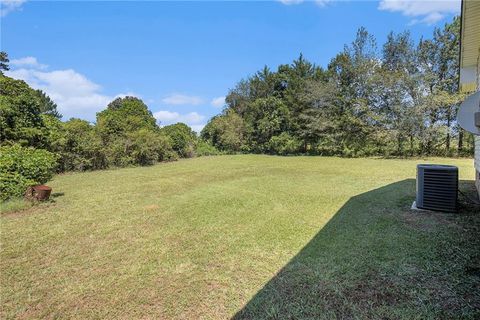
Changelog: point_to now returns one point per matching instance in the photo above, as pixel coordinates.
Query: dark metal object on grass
(437, 187)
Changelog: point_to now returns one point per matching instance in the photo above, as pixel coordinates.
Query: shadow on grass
(57, 194)
(377, 259)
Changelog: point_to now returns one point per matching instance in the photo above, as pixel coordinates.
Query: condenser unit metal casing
(437, 187)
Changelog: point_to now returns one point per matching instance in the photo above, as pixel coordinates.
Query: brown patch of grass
(428, 220)
(151, 207)
(374, 290)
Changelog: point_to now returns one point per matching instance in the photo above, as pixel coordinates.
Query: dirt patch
(428, 221)
(375, 291)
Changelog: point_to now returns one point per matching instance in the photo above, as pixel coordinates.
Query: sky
(181, 58)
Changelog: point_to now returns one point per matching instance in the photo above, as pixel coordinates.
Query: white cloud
(180, 99)
(192, 119)
(166, 116)
(429, 11)
(74, 94)
(30, 62)
(218, 102)
(77, 96)
(197, 127)
(7, 6)
(169, 117)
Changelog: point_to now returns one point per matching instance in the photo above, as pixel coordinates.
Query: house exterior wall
(477, 138)
(470, 62)
(477, 162)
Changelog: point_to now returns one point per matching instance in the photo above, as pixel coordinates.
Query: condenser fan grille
(437, 187)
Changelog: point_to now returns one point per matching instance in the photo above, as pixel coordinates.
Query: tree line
(35, 143)
(399, 100)
(125, 133)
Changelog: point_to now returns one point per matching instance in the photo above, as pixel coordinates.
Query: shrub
(182, 138)
(226, 132)
(143, 147)
(148, 147)
(284, 144)
(13, 185)
(21, 167)
(79, 146)
(204, 148)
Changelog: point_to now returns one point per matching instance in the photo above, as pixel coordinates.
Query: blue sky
(182, 57)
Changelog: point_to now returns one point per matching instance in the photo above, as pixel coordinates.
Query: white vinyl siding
(470, 62)
(477, 162)
(477, 138)
(477, 153)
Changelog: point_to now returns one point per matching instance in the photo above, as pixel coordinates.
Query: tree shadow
(377, 259)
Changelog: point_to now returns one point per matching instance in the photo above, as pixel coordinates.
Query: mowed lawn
(245, 236)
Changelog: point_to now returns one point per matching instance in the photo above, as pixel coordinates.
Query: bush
(143, 147)
(204, 148)
(226, 132)
(13, 185)
(149, 147)
(182, 139)
(21, 167)
(284, 144)
(78, 145)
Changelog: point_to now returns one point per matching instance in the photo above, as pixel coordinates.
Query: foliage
(13, 185)
(21, 167)
(226, 132)
(400, 100)
(182, 138)
(20, 114)
(123, 116)
(205, 148)
(47, 105)
(284, 144)
(125, 134)
(77, 144)
(81, 148)
(142, 147)
(4, 62)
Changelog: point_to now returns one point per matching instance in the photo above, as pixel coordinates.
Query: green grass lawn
(248, 237)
